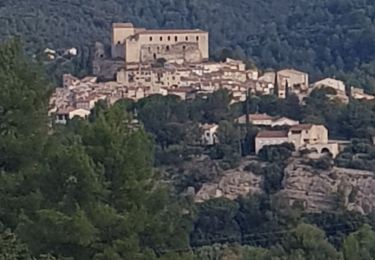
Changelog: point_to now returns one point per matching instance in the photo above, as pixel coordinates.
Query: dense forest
(322, 37)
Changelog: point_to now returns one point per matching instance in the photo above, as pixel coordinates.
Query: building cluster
(280, 130)
(144, 62)
(185, 79)
(77, 97)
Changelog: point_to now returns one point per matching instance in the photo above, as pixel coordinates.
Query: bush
(255, 168)
(276, 153)
(323, 163)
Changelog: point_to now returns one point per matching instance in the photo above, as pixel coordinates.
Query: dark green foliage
(321, 37)
(255, 168)
(23, 102)
(273, 177)
(323, 163)
(11, 248)
(276, 153)
(229, 147)
(216, 222)
(85, 191)
(360, 154)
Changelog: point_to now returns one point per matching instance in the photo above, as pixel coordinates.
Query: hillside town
(175, 62)
(249, 133)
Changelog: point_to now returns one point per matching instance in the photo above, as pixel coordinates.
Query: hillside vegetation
(323, 37)
(88, 190)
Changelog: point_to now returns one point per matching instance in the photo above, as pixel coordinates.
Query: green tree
(11, 248)
(23, 131)
(360, 244)
(307, 242)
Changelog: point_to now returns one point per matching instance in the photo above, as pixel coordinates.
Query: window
(161, 38)
(184, 47)
(150, 39)
(118, 42)
(175, 38)
(197, 38)
(169, 38)
(167, 48)
(186, 38)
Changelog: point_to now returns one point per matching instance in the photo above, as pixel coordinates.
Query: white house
(256, 119)
(266, 120)
(63, 115)
(331, 83)
(284, 121)
(209, 136)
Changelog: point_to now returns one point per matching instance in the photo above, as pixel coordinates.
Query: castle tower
(120, 32)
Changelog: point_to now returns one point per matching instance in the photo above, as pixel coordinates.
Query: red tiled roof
(301, 127)
(260, 117)
(181, 90)
(172, 31)
(272, 134)
(122, 25)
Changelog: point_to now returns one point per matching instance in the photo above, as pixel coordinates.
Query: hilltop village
(145, 62)
(165, 144)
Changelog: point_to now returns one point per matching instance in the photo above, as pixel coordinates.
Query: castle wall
(181, 51)
(120, 32)
(148, 46)
(132, 50)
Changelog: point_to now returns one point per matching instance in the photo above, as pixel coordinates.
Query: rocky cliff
(328, 190)
(316, 189)
(231, 185)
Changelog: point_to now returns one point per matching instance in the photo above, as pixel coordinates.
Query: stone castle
(140, 45)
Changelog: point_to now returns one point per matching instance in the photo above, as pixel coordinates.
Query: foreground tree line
(88, 190)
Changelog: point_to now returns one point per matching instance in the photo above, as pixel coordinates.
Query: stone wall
(233, 184)
(188, 52)
(106, 69)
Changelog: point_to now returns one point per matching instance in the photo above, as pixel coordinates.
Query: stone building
(140, 45)
(303, 136)
(337, 85)
(359, 93)
(291, 80)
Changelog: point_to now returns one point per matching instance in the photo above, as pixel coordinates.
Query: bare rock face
(233, 184)
(106, 68)
(320, 190)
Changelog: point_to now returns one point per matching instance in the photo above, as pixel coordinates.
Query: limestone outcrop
(233, 184)
(328, 190)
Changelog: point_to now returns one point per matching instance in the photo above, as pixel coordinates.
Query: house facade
(303, 136)
(209, 134)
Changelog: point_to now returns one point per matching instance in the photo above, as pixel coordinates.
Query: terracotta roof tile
(301, 127)
(260, 117)
(172, 31)
(272, 134)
